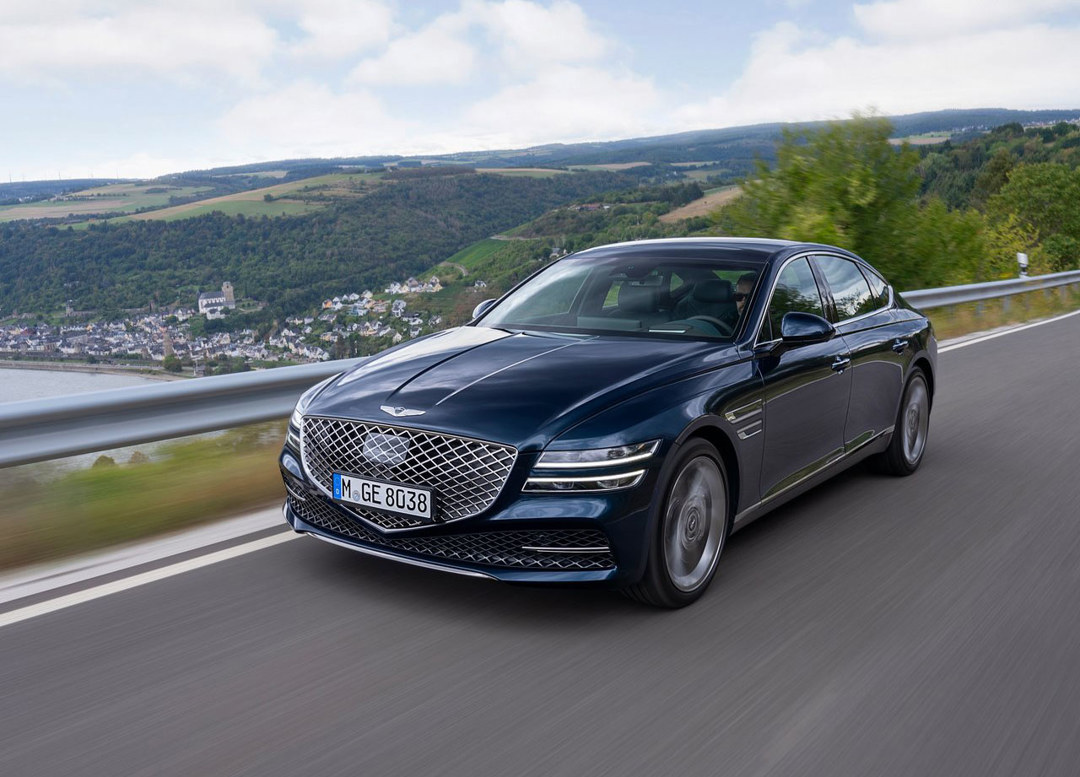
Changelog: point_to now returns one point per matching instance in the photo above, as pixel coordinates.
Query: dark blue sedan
(613, 418)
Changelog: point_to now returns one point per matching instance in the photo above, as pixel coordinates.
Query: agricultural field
(925, 139)
(293, 198)
(115, 198)
(613, 167)
(701, 176)
(712, 200)
(522, 172)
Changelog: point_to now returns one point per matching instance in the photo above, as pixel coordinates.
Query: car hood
(521, 389)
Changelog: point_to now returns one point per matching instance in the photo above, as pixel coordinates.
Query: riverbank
(140, 371)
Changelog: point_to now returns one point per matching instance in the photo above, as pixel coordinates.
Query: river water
(16, 384)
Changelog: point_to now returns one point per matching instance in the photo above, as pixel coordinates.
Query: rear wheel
(693, 528)
(908, 444)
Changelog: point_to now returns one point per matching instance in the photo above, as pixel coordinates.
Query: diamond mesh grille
(494, 548)
(467, 475)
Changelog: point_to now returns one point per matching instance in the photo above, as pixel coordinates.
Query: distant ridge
(735, 148)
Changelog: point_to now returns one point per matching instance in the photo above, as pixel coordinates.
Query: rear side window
(850, 291)
(796, 291)
(878, 287)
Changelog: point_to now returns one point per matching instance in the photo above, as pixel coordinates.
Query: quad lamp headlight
(544, 478)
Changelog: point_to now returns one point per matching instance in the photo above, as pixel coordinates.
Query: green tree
(1044, 199)
(845, 185)
(993, 176)
(172, 363)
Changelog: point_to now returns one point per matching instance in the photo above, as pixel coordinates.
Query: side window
(850, 291)
(796, 291)
(878, 287)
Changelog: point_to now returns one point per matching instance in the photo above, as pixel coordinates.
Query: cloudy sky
(144, 87)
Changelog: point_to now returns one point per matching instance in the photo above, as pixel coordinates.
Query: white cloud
(437, 54)
(237, 38)
(532, 37)
(935, 18)
(306, 119)
(519, 38)
(791, 77)
(564, 103)
(339, 28)
(164, 38)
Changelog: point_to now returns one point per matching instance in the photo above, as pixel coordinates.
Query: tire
(908, 444)
(691, 530)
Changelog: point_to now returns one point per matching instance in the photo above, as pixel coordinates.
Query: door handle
(841, 363)
(899, 345)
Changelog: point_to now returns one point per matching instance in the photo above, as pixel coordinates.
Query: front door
(807, 389)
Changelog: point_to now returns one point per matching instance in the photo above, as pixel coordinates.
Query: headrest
(637, 299)
(716, 290)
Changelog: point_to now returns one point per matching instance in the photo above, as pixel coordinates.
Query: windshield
(693, 297)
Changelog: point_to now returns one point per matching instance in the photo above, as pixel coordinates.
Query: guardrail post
(1004, 304)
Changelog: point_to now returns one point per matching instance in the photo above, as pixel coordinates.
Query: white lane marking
(984, 338)
(116, 586)
(42, 578)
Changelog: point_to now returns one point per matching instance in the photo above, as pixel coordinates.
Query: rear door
(860, 311)
(807, 388)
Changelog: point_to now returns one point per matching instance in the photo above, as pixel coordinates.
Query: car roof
(757, 250)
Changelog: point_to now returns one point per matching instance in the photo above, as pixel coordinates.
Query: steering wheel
(724, 327)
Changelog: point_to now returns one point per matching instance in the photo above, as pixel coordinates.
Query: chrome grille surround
(467, 475)
(564, 550)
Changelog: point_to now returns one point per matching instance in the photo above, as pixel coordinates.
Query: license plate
(391, 497)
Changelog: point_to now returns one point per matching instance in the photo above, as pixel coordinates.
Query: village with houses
(167, 338)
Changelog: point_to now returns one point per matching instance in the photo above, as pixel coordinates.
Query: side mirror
(482, 308)
(805, 328)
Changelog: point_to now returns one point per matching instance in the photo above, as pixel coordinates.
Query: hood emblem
(400, 412)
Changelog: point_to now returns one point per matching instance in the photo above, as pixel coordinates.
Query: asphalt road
(876, 626)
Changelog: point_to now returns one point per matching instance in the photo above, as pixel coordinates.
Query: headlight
(296, 420)
(594, 483)
(590, 458)
(597, 457)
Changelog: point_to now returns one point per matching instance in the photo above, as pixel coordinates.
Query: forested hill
(289, 262)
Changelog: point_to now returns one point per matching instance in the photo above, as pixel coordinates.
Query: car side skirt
(875, 444)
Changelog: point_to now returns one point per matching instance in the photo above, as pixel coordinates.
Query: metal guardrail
(976, 292)
(40, 429)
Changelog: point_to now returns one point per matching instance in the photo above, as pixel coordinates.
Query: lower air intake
(563, 550)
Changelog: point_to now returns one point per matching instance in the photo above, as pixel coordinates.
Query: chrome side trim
(750, 430)
(401, 559)
(759, 507)
(746, 411)
(597, 549)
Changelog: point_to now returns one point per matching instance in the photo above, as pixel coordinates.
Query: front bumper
(558, 539)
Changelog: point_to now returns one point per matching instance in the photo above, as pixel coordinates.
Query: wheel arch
(710, 430)
(923, 363)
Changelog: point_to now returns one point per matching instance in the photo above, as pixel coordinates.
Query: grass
(473, 255)
(48, 515)
(960, 320)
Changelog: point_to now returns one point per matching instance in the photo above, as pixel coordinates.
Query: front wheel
(908, 444)
(693, 528)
